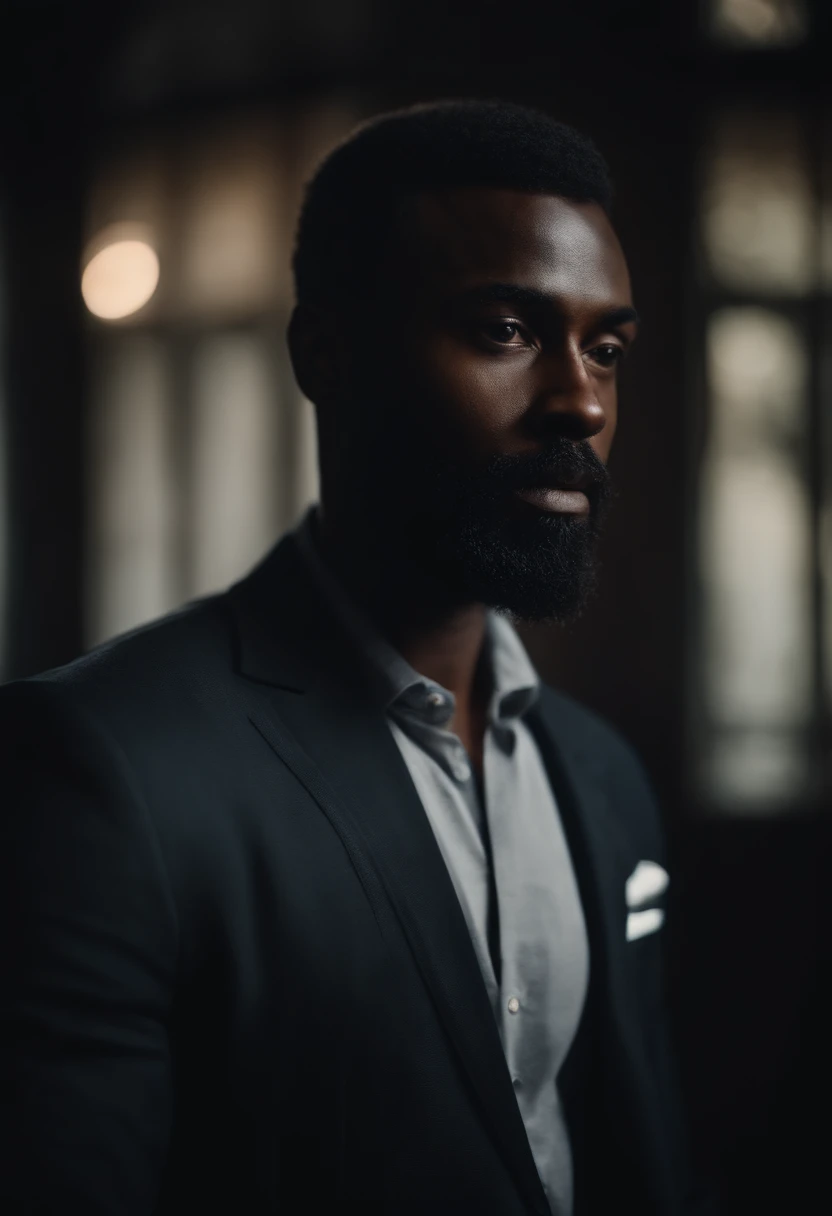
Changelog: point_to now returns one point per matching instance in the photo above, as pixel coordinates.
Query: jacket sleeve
(88, 948)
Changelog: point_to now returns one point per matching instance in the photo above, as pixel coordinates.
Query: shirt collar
(397, 684)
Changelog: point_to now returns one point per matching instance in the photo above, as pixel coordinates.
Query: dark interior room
(154, 443)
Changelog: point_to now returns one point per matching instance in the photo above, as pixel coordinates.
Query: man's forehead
(544, 239)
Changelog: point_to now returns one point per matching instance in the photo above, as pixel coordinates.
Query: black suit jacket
(235, 974)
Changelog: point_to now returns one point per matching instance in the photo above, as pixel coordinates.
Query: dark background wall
(748, 948)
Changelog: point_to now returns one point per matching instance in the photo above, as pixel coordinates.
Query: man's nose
(566, 402)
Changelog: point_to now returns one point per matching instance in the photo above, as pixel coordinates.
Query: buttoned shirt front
(505, 844)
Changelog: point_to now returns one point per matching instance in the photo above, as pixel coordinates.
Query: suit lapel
(602, 860)
(317, 713)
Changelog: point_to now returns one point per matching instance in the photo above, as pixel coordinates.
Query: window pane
(229, 257)
(762, 23)
(132, 520)
(758, 210)
(755, 524)
(755, 559)
(236, 472)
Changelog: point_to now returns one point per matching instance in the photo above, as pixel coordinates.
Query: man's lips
(560, 493)
(556, 500)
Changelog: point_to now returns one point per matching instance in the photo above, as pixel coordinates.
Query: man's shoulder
(148, 671)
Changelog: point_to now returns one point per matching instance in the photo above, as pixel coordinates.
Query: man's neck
(442, 640)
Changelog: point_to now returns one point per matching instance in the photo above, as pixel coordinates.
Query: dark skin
(507, 317)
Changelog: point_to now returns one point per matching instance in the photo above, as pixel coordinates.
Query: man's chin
(536, 603)
(541, 572)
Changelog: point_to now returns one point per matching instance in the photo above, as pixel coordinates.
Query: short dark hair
(351, 202)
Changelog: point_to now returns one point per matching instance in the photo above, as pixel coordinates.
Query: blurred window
(755, 531)
(763, 552)
(235, 460)
(202, 449)
(132, 573)
(759, 213)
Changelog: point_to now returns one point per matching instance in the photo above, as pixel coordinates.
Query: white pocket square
(641, 923)
(647, 882)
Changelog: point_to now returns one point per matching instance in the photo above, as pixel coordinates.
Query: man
(315, 898)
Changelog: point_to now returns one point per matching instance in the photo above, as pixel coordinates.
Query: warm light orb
(120, 279)
(760, 22)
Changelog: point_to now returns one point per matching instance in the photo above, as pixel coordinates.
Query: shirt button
(517, 1083)
(459, 763)
(513, 1004)
(436, 698)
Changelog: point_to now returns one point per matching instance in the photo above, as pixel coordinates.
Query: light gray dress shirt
(507, 843)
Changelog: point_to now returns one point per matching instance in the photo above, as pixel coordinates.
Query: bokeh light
(759, 22)
(121, 277)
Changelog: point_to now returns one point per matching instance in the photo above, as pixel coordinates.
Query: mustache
(562, 462)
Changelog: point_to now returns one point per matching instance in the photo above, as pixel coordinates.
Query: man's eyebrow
(619, 316)
(513, 293)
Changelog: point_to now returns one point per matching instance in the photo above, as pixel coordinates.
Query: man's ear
(316, 351)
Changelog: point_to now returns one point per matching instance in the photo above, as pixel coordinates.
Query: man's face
(490, 370)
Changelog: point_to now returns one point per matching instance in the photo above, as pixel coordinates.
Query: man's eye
(503, 332)
(607, 355)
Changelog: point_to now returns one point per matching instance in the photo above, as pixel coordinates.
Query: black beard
(525, 562)
(468, 534)
(542, 569)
